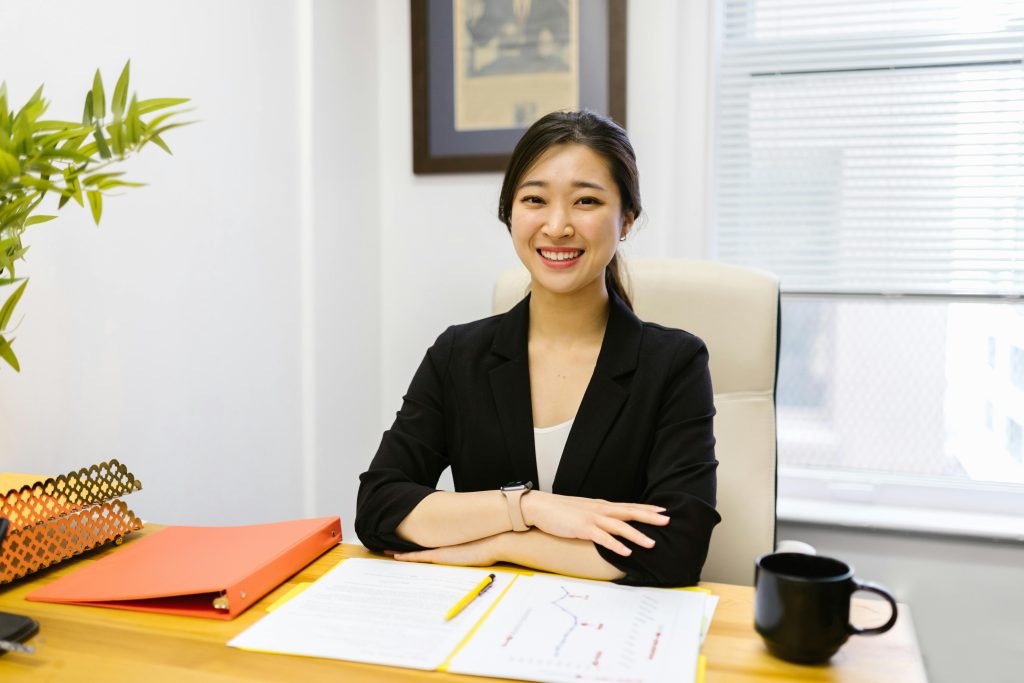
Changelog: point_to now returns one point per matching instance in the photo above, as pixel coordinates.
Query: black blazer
(643, 433)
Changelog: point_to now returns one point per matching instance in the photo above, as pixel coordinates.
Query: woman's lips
(560, 257)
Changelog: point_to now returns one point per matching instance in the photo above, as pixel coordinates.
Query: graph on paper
(550, 628)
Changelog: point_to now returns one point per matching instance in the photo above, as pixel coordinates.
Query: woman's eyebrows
(575, 183)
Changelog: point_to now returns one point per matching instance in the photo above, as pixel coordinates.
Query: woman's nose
(559, 224)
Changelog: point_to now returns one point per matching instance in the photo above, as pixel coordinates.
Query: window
(1017, 367)
(1014, 440)
(871, 154)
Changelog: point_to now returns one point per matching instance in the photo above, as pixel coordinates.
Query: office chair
(735, 310)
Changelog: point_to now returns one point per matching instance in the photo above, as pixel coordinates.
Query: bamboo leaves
(74, 161)
(9, 166)
(7, 353)
(99, 107)
(8, 308)
(96, 204)
(120, 91)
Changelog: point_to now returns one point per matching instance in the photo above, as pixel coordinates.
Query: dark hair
(600, 134)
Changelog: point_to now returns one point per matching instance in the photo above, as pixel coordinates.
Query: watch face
(518, 486)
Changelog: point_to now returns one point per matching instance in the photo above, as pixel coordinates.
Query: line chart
(562, 629)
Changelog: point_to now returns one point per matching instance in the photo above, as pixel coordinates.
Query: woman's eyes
(585, 201)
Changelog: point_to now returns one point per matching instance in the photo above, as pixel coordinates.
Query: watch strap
(514, 499)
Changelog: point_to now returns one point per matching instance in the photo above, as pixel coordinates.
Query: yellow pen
(472, 595)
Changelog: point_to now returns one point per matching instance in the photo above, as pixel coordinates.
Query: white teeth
(560, 255)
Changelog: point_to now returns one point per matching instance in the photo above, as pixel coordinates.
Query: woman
(568, 390)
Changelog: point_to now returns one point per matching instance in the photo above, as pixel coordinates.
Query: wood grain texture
(107, 645)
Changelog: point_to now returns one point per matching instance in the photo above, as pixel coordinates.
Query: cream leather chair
(735, 311)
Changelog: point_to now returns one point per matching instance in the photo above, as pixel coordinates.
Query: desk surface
(98, 644)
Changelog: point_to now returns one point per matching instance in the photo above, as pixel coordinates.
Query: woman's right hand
(591, 519)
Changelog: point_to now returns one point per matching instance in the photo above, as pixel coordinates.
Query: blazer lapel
(510, 384)
(603, 399)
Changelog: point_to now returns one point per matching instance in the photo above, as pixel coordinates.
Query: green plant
(70, 161)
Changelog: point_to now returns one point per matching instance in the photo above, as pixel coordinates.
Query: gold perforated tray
(60, 517)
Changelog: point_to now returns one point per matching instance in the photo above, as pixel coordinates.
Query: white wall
(441, 242)
(168, 338)
(345, 370)
(218, 333)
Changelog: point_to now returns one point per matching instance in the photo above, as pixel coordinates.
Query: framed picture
(484, 70)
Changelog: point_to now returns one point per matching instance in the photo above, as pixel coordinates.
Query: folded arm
(446, 519)
(534, 548)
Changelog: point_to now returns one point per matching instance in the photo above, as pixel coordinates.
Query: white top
(549, 442)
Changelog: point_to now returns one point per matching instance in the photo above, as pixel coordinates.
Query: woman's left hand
(480, 553)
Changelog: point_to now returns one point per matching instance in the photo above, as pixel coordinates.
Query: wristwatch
(514, 492)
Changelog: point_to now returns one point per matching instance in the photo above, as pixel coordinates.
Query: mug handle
(874, 588)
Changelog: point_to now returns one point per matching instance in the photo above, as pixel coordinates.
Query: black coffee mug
(802, 606)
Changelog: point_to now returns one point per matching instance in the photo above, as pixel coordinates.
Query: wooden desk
(77, 644)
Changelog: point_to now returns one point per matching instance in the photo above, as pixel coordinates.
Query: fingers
(654, 518)
(644, 506)
(648, 514)
(629, 506)
(609, 530)
(602, 537)
(605, 523)
(641, 508)
(628, 532)
(416, 556)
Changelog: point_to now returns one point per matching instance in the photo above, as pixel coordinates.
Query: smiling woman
(610, 416)
(597, 156)
(567, 220)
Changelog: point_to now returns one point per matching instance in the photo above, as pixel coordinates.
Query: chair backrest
(735, 310)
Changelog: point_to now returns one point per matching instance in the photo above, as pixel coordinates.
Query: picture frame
(475, 90)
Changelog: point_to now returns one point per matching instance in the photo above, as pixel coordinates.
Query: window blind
(874, 146)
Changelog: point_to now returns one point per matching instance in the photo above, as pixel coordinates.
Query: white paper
(710, 603)
(377, 611)
(555, 629)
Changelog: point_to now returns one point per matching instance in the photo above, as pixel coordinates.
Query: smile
(560, 254)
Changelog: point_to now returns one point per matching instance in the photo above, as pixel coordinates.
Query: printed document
(378, 612)
(535, 627)
(550, 628)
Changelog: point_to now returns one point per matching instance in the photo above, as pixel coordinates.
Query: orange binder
(216, 572)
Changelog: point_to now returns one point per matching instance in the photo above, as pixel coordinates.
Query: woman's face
(567, 219)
